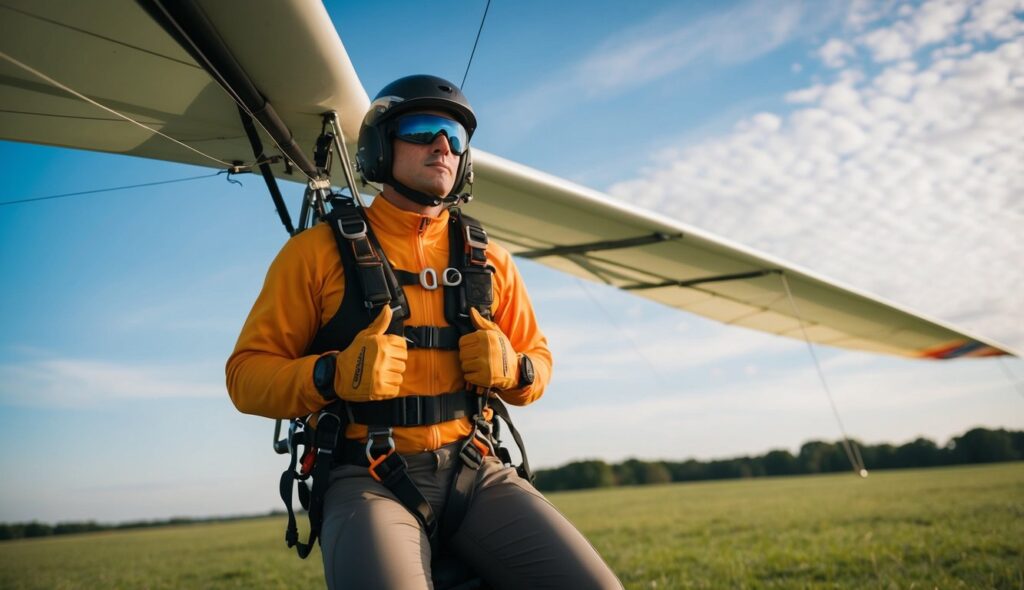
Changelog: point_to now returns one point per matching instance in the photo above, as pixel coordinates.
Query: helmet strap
(425, 199)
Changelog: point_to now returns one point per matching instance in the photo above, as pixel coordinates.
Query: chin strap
(427, 199)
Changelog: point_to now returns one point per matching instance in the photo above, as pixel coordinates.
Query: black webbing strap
(268, 174)
(471, 458)
(394, 474)
(354, 229)
(415, 410)
(407, 278)
(377, 279)
(467, 251)
(443, 338)
(460, 494)
(328, 430)
(501, 411)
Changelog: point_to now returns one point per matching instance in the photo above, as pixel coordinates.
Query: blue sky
(878, 143)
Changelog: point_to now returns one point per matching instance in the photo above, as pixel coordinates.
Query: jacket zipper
(421, 259)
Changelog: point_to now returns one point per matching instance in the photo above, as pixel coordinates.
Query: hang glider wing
(74, 73)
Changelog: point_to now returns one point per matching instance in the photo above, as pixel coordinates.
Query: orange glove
(371, 367)
(487, 357)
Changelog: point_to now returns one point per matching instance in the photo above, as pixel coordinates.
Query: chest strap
(443, 338)
(414, 410)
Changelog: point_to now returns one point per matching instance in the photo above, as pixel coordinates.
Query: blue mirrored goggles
(423, 129)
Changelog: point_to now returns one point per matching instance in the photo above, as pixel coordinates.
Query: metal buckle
(361, 233)
(428, 279)
(451, 277)
(471, 454)
(474, 242)
(371, 446)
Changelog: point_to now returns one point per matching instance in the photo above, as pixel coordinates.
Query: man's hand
(371, 367)
(487, 357)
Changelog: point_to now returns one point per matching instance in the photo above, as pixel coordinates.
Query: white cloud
(658, 48)
(81, 382)
(651, 51)
(907, 183)
(835, 52)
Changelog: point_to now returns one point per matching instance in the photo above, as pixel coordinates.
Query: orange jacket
(268, 375)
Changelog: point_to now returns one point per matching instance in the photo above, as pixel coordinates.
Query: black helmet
(412, 93)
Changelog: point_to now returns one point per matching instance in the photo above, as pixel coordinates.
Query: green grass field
(939, 528)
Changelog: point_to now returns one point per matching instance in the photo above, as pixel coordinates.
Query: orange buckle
(483, 448)
(375, 462)
(371, 443)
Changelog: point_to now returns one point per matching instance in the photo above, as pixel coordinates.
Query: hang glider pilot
(410, 378)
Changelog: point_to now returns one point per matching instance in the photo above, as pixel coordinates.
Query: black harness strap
(372, 283)
(415, 410)
(443, 338)
(268, 175)
(467, 251)
(325, 440)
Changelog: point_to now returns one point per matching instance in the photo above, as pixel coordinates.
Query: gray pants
(511, 536)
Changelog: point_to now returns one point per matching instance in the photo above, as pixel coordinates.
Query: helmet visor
(424, 128)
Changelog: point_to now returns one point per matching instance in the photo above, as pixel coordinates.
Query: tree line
(28, 530)
(978, 445)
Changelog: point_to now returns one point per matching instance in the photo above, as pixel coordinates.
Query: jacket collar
(387, 218)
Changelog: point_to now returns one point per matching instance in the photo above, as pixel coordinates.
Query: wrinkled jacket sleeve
(514, 315)
(268, 373)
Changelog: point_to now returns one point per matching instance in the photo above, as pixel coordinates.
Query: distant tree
(576, 475)
(629, 473)
(655, 472)
(881, 456)
(813, 456)
(689, 470)
(918, 453)
(980, 445)
(779, 462)
(37, 529)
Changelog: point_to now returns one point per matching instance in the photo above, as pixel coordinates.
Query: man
(309, 342)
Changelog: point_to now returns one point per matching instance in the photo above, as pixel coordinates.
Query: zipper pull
(424, 222)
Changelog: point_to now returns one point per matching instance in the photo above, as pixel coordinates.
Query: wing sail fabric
(112, 52)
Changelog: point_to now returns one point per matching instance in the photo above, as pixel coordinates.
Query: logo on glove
(357, 376)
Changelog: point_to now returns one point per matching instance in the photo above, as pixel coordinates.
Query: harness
(370, 284)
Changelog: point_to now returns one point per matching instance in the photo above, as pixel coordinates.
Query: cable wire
(472, 53)
(852, 452)
(114, 188)
(81, 96)
(622, 330)
(1017, 384)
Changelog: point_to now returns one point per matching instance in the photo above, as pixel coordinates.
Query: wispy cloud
(69, 382)
(906, 181)
(660, 47)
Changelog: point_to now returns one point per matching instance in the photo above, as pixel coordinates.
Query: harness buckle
(476, 237)
(428, 279)
(380, 442)
(451, 277)
(359, 230)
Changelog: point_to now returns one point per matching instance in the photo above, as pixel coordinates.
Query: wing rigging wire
(629, 336)
(1017, 384)
(114, 188)
(473, 52)
(85, 98)
(852, 451)
(222, 81)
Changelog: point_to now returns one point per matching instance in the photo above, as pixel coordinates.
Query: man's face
(427, 168)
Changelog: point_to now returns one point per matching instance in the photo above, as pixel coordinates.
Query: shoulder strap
(467, 252)
(370, 281)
